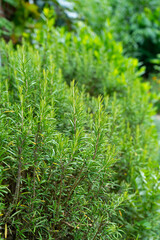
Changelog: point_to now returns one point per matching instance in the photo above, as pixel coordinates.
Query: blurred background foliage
(135, 23)
(18, 17)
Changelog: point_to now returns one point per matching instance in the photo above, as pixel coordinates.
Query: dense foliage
(16, 16)
(78, 146)
(21, 17)
(135, 23)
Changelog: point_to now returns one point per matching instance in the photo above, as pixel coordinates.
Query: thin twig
(17, 190)
(74, 110)
(19, 175)
(78, 179)
(97, 141)
(94, 156)
(98, 230)
(74, 124)
(35, 160)
(60, 194)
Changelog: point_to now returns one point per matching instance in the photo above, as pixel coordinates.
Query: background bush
(139, 32)
(134, 23)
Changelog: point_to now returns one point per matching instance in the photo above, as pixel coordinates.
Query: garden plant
(78, 146)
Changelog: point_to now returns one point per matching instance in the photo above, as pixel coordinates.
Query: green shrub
(75, 166)
(103, 69)
(135, 23)
(57, 155)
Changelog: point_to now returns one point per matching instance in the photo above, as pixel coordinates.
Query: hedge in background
(75, 166)
(135, 23)
(139, 32)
